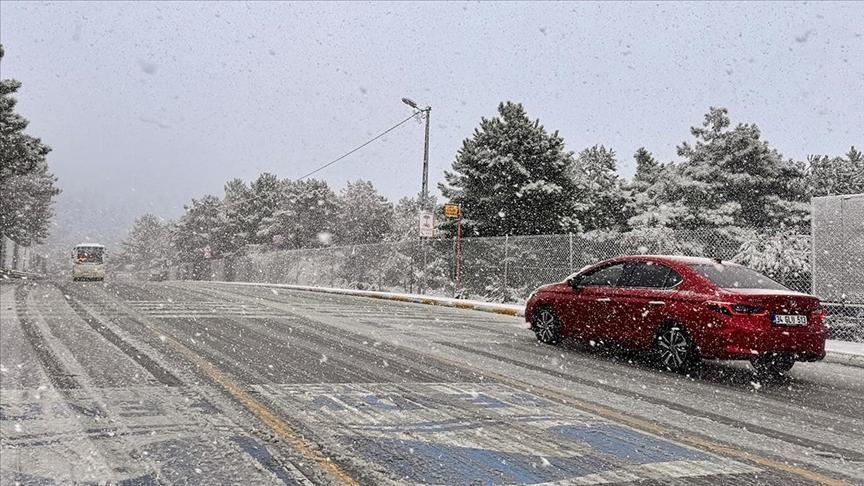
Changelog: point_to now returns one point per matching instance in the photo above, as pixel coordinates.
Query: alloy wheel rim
(545, 325)
(673, 348)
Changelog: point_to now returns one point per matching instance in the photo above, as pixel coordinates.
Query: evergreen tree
(729, 178)
(148, 245)
(406, 223)
(364, 216)
(512, 177)
(644, 189)
(238, 222)
(27, 188)
(266, 194)
(831, 176)
(647, 168)
(603, 199)
(199, 229)
(305, 216)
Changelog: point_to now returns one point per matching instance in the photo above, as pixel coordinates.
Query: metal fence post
(812, 250)
(506, 265)
(570, 238)
(16, 255)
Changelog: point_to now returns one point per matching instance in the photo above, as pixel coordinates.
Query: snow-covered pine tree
(729, 178)
(364, 215)
(305, 215)
(647, 168)
(644, 189)
(27, 187)
(512, 177)
(266, 194)
(148, 245)
(200, 227)
(603, 199)
(237, 214)
(831, 176)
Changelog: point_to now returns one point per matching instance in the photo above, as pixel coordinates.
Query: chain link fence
(838, 261)
(507, 269)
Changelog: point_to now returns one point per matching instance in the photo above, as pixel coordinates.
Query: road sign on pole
(452, 210)
(427, 224)
(455, 211)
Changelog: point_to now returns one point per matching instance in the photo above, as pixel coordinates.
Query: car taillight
(731, 309)
(747, 309)
(719, 307)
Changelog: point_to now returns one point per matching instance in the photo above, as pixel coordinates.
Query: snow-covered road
(207, 383)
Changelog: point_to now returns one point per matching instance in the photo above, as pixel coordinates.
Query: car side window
(672, 279)
(604, 277)
(649, 275)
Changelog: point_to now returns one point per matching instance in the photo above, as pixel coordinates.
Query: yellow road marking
(270, 419)
(506, 312)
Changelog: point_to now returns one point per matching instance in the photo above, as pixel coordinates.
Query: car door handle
(604, 299)
(656, 302)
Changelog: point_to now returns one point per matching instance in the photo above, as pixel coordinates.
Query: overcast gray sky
(149, 104)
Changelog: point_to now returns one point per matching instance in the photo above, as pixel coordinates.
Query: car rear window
(736, 277)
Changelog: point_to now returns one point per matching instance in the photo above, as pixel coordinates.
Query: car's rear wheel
(772, 365)
(546, 326)
(674, 349)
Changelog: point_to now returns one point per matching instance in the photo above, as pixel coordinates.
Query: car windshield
(338, 234)
(736, 277)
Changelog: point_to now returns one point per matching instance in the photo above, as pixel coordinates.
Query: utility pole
(424, 191)
(425, 185)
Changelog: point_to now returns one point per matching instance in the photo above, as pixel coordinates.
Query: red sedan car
(683, 309)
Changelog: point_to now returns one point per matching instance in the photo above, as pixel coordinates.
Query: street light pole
(424, 192)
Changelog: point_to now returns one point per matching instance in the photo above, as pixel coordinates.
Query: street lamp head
(410, 102)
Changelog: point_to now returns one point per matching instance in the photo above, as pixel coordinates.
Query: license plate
(790, 320)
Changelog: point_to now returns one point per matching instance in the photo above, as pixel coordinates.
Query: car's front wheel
(674, 349)
(772, 365)
(546, 326)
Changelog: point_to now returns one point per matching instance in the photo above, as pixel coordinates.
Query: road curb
(505, 309)
(844, 359)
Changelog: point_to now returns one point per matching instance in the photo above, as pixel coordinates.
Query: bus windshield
(89, 254)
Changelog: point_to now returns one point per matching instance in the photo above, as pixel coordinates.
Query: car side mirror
(575, 282)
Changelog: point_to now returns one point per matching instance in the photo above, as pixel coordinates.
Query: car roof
(687, 260)
(89, 245)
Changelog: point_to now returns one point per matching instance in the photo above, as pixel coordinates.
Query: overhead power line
(385, 132)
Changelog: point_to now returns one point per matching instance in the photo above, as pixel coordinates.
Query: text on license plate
(790, 320)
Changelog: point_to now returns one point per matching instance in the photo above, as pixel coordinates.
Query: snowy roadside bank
(841, 352)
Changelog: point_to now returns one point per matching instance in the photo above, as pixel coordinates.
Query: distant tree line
(27, 187)
(513, 177)
(268, 214)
